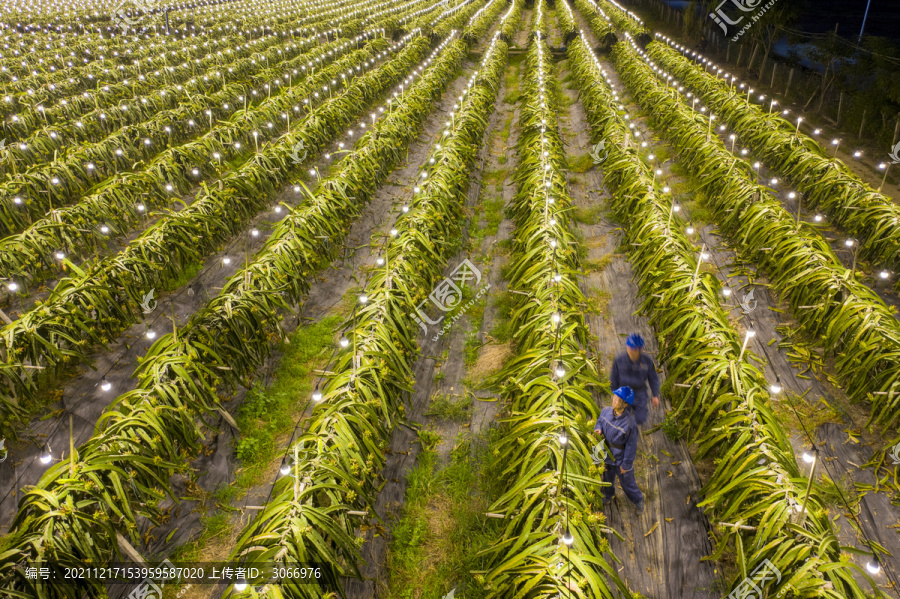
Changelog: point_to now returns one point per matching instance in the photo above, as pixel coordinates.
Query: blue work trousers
(627, 480)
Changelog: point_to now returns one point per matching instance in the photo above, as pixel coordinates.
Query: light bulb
(726, 292)
(775, 388)
(12, 286)
(555, 318)
(379, 261)
(240, 585)
(317, 395)
(849, 243)
(285, 467)
(809, 457)
(884, 274)
(344, 342)
(568, 539)
(874, 567)
(363, 299)
(751, 333)
(226, 260)
(560, 371)
(563, 438)
(254, 232)
(690, 230)
(151, 334)
(818, 218)
(60, 255)
(104, 229)
(105, 384)
(46, 456)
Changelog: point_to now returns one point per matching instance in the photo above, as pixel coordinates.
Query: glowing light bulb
(344, 342)
(46, 456)
(775, 388)
(285, 470)
(105, 384)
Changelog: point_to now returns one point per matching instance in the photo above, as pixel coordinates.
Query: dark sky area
(819, 16)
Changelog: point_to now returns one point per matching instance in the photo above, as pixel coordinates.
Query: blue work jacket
(621, 436)
(635, 375)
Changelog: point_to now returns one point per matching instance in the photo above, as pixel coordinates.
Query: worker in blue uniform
(617, 427)
(635, 369)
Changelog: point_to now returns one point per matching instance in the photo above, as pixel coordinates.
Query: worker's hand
(597, 431)
(655, 402)
(622, 469)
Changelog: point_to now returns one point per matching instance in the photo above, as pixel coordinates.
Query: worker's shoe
(639, 507)
(607, 500)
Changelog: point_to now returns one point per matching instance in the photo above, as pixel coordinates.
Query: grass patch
(450, 407)
(579, 164)
(501, 330)
(831, 492)
(187, 273)
(269, 412)
(598, 301)
(600, 264)
(587, 216)
(212, 527)
(496, 176)
(792, 408)
(473, 344)
(442, 527)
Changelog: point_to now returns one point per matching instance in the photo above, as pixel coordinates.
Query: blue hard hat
(634, 341)
(625, 394)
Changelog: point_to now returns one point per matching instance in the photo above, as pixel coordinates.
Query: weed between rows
(266, 416)
(442, 527)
